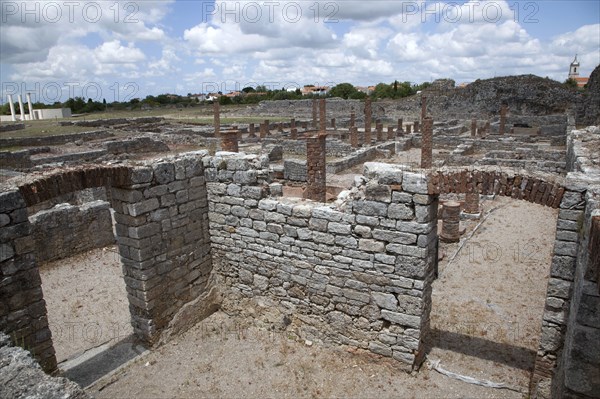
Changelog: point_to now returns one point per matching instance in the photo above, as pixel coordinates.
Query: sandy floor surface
(486, 319)
(86, 301)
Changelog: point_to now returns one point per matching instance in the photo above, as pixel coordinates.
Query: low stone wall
(295, 170)
(112, 122)
(83, 156)
(66, 230)
(22, 377)
(360, 156)
(135, 145)
(10, 127)
(15, 159)
(54, 140)
(354, 274)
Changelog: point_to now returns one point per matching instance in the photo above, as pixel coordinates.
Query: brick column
(251, 131)
(473, 127)
(292, 123)
(352, 118)
(400, 127)
(217, 117)
(333, 123)
(423, 107)
(416, 127)
(314, 113)
(280, 127)
(322, 116)
(354, 136)
(379, 129)
(408, 129)
(316, 172)
(503, 110)
(450, 222)
(368, 111)
(427, 144)
(267, 128)
(472, 203)
(294, 133)
(390, 131)
(263, 131)
(304, 126)
(229, 140)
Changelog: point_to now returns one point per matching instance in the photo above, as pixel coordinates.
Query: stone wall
(66, 230)
(54, 140)
(162, 231)
(577, 371)
(356, 274)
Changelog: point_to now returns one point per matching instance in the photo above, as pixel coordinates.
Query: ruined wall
(22, 377)
(578, 369)
(66, 230)
(162, 231)
(357, 274)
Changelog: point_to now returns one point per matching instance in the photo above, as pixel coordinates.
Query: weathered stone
(371, 245)
(400, 211)
(414, 182)
(401, 319)
(385, 301)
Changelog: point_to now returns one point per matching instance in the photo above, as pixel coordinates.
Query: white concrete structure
(21, 108)
(31, 114)
(12, 108)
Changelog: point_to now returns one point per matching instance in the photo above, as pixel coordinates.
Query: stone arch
(161, 215)
(543, 189)
(547, 190)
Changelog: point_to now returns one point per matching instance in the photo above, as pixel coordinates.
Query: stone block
(370, 245)
(401, 318)
(414, 182)
(394, 236)
(385, 301)
(400, 211)
(370, 208)
(164, 172)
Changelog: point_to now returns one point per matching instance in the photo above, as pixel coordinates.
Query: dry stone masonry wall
(359, 273)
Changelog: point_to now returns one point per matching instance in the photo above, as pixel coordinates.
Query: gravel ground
(486, 319)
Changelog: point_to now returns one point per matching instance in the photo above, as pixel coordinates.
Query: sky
(119, 50)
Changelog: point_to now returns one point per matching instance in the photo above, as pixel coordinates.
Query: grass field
(202, 115)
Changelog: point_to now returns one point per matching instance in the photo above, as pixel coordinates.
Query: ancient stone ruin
(246, 216)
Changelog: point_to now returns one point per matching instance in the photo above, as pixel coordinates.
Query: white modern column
(12, 108)
(31, 116)
(21, 108)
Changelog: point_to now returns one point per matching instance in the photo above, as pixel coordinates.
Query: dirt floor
(86, 301)
(486, 318)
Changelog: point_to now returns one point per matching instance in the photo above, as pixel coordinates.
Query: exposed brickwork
(229, 140)
(503, 111)
(251, 131)
(423, 107)
(314, 113)
(354, 136)
(427, 143)
(473, 127)
(368, 116)
(416, 127)
(322, 116)
(379, 129)
(390, 133)
(316, 172)
(408, 129)
(263, 131)
(450, 222)
(217, 117)
(352, 119)
(488, 182)
(267, 127)
(400, 126)
(472, 203)
(293, 123)
(294, 133)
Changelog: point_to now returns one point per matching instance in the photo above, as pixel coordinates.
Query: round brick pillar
(450, 222)
(472, 203)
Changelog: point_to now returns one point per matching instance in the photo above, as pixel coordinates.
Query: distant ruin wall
(66, 230)
(54, 140)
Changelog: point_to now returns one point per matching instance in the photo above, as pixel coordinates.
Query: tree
(572, 83)
(343, 90)
(248, 89)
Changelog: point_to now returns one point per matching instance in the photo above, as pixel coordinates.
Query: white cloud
(114, 53)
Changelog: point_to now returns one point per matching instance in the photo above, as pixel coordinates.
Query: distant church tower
(574, 69)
